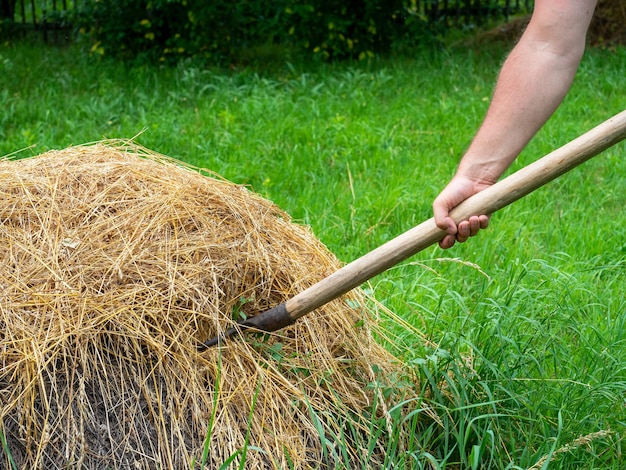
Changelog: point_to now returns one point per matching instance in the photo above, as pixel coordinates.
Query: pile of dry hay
(114, 264)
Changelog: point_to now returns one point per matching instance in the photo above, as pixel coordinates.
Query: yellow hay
(114, 264)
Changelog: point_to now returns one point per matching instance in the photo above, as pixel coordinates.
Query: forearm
(532, 83)
(518, 109)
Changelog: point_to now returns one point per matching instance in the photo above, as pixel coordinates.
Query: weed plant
(525, 358)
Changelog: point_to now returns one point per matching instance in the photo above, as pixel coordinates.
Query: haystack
(114, 264)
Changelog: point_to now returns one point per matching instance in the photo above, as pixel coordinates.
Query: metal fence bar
(23, 12)
(41, 15)
(32, 8)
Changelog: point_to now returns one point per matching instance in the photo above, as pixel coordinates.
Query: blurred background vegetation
(223, 31)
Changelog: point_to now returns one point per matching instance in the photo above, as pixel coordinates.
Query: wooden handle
(427, 233)
(487, 201)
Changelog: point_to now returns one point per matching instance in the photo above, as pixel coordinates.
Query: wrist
(481, 172)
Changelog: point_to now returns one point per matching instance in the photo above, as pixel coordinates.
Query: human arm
(532, 83)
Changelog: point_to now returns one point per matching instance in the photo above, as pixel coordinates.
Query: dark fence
(458, 12)
(50, 18)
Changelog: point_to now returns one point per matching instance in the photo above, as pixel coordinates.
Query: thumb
(442, 217)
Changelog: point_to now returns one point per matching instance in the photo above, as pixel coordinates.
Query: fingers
(447, 242)
(458, 190)
(470, 228)
(465, 230)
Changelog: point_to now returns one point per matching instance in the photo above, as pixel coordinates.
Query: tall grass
(526, 358)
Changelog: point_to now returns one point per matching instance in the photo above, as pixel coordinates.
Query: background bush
(167, 30)
(225, 31)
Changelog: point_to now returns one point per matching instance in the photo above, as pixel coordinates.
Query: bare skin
(532, 83)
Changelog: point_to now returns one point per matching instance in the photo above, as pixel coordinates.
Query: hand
(459, 189)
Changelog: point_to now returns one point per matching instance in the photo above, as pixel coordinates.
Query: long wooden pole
(501, 194)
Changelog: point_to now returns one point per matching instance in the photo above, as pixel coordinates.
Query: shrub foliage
(169, 29)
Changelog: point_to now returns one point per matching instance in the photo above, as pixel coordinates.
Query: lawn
(526, 358)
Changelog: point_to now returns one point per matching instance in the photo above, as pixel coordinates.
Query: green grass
(529, 318)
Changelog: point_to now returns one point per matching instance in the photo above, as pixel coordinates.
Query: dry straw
(114, 264)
